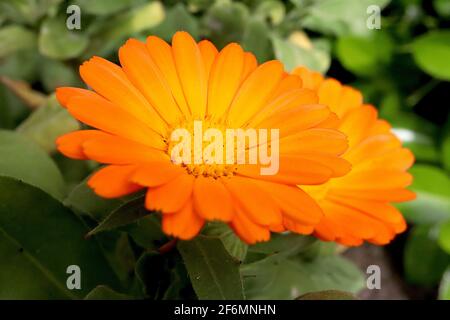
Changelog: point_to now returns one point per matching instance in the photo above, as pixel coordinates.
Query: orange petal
(64, 94)
(315, 140)
(172, 196)
(356, 124)
(110, 81)
(286, 101)
(292, 170)
(146, 76)
(209, 53)
(161, 54)
(254, 202)
(250, 64)
(191, 72)
(113, 181)
(117, 150)
(70, 144)
(263, 81)
(310, 79)
(101, 114)
(290, 82)
(225, 79)
(295, 203)
(212, 200)
(183, 224)
(247, 230)
(156, 173)
(387, 195)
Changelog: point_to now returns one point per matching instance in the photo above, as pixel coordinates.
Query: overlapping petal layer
(357, 206)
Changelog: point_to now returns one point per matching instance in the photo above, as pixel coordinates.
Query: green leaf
(27, 11)
(293, 55)
(280, 278)
(125, 214)
(424, 260)
(365, 55)
(103, 7)
(23, 160)
(112, 33)
(431, 52)
(147, 232)
(446, 153)
(83, 199)
(271, 9)
(163, 276)
(444, 287)
(47, 123)
(444, 236)
(105, 293)
(56, 74)
(442, 7)
(433, 201)
(58, 42)
(14, 38)
(327, 295)
(288, 244)
(235, 246)
(177, 18)
(213, 272)
(340, 17)
(225, 22)
(40, 238)
(22, 65)
(417, 134)
(256, 39)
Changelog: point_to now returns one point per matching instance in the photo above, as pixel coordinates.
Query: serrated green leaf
(213, 272)
(24, 160)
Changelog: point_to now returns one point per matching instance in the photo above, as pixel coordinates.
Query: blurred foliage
(402, 68)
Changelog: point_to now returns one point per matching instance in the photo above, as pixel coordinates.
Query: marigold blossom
(357, 206)
(134, 108)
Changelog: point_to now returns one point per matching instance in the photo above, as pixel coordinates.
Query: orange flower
(358, 206)
(159, 88)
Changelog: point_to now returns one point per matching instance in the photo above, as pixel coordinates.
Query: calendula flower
(358, 207)
(138, 111)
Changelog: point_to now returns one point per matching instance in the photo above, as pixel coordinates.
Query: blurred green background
(403, 68)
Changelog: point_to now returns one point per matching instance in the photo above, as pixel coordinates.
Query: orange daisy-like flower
(357, 207)
(159, 88)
